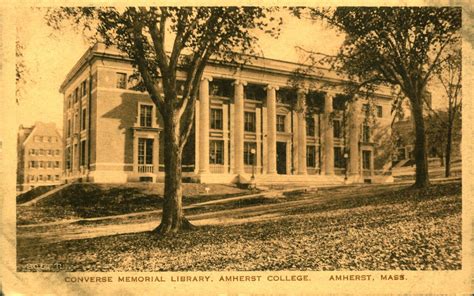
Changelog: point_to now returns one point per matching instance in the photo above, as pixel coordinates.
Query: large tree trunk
(173, 219)
(447, 168)
(421, 157)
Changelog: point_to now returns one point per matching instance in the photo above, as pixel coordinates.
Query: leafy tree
(193, 35)
(396, 46)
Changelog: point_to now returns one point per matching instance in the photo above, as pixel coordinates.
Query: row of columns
(238, 140)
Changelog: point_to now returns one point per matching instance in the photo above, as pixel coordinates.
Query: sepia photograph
(287, 149)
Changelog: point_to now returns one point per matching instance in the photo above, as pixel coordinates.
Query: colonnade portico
(235, 163)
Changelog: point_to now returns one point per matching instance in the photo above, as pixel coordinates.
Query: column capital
(331, 93)
(239, 81)
(302, 90)
(272, 86)
(206, 77)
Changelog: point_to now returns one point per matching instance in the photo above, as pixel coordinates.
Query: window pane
(141, 151)
(366, 133)
(337, 129)
(121, 80)
(366, 159)
(379, 111)
(310, 126)
(249, 157)
(149, 151)
(311, 156)
(221, 88)
(338, 157)
(250, 121)
(255, 92)
(216, 152)
(146, 115)
(216, 119)
(280, 122)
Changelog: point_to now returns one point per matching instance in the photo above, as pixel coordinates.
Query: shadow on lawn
(387, 197)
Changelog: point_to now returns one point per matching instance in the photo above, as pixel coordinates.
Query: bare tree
(449, 74)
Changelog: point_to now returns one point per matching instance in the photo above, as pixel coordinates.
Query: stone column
(328, 136)
(204, 125)
(239, 126)
(271, 129)
(354, 136)
(301, 121)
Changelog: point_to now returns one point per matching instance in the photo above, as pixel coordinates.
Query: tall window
(365, 133)
(69, 101)
(366, 109)
(337, 129)
(83, 152)
(76, 122)
(379, 111)
(68, 128)
(366, 155)
(310, 126)
(249, 157)
(121, 80)
(68, 158)
(74, 156)
(250, 121)
(84, 88)
(216, 119)
(76, 94)
(216, 152)
(83, 119)
(146, 115)
(280, 123)
(145, 151)
(311, 156)
(339, 158)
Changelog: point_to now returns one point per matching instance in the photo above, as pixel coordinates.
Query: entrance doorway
(281, 158)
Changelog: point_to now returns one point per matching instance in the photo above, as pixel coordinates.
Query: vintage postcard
(253, 148)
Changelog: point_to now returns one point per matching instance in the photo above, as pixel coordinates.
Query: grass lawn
(97, 200)
(374, 229)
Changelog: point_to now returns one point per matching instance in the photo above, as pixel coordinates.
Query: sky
(50, 55)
